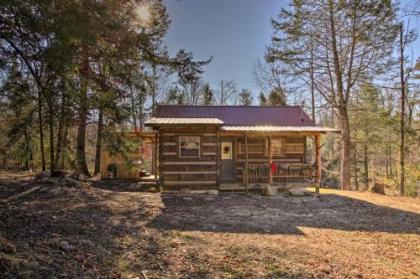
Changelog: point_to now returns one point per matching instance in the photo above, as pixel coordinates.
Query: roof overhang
(278, 129)
(157, 121)
(169, 121)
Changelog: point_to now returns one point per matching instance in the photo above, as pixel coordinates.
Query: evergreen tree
(262, 99)
(88, 61)
(276, 97)
(208, 96)
(245, 97)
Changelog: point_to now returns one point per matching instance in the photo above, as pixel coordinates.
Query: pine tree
(262, 99)
(276, 97)
(208, 96)
(245, 97)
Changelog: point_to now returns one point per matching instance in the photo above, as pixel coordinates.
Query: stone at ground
(66, 246)
(298, 192)
(185, 191)
(378, 188)
(73, 182)
(152, 190)
(6, 246)
(58, 173)
(212, 192)
(204, 192)
(82, 177)
(269, 190)
(43, 174)
(87, 242)
(134, 187)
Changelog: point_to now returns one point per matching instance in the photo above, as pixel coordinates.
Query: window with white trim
(189, 147)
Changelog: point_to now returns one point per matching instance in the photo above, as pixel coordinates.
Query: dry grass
(95, 232)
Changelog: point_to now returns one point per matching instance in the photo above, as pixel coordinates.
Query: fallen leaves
(70, 231)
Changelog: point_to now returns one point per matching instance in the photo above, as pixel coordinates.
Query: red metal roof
(240, 115)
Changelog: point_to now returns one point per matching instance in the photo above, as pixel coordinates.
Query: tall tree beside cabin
(352, 41)
(72, 54)
(405, 38)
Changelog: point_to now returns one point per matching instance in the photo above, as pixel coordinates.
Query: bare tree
(269, 76)
(227, 93)
(350, 43)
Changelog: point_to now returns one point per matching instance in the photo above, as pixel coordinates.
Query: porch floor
(258, 186)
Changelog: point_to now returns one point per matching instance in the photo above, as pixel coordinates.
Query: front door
(228, 171)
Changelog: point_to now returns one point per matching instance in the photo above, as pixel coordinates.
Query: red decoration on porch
(273, 168)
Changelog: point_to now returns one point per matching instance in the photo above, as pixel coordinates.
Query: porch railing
(282, 171)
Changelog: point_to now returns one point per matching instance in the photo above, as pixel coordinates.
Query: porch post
(270, 161)
(218, 155)
(317, 162)
(246, 163)
(155, 154)
(159, 159)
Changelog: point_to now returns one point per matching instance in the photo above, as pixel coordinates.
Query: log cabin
(208, 147)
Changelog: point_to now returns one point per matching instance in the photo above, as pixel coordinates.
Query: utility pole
(222, 97)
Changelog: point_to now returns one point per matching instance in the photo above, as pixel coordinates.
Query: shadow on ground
(280, 215)
(123, 185)
(66, 232)
(106, 231)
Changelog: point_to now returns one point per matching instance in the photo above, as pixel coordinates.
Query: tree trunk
(27, 152)
(402, 120)
(141, 114)
(366, 164)
(59, 146)
(99, 143)
(60, 162)
(342, 106)
(81, 164)
(391, 171)
(356, 182)
(345, 151)
(332, 134)
(41, 131)
(60, 130)
(51, 135)
(133, 110)
(312, 80)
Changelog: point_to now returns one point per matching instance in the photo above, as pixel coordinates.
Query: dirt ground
(113, 231)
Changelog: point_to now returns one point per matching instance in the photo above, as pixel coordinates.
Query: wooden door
(228, 169)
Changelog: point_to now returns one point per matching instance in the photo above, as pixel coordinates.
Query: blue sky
(234, 32)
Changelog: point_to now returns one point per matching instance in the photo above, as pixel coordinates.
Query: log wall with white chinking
(196, 173)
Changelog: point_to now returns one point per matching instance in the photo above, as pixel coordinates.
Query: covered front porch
(254, 158)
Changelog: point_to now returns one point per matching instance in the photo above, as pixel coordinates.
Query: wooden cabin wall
(293, 151)
(192, 173)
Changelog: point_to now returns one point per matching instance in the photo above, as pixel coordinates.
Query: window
(189, 147)
(277, 146)
(226, 150)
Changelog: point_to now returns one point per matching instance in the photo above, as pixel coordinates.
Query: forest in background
(75, 72)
